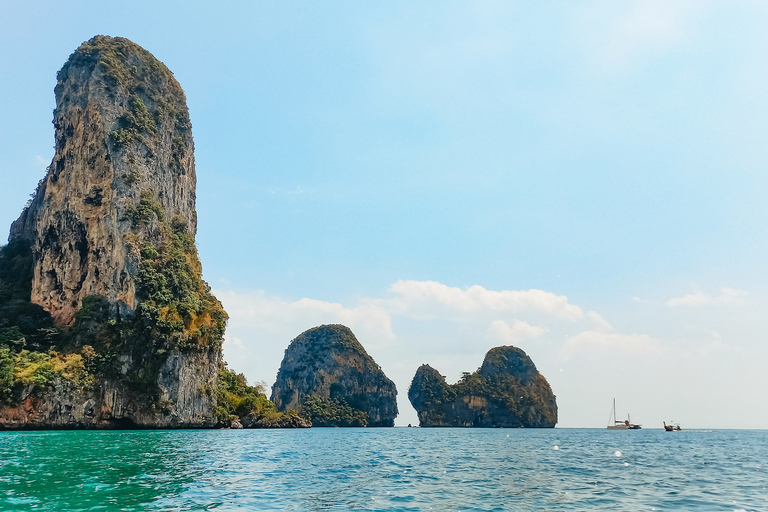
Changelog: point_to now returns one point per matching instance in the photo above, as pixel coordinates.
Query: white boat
(620, 425)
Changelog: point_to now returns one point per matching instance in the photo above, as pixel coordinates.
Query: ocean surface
(384, 469)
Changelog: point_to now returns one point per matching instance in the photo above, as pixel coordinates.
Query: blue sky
(585, 181)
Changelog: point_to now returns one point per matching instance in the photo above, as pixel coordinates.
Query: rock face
(327, 367)
(113, 403)
(134, 334)
(507, 391)
(122, 129)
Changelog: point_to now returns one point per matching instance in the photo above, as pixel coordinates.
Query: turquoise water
(384, 469)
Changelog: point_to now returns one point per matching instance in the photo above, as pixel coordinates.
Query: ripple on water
(383, 469)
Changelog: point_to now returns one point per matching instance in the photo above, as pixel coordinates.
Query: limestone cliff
(506, 391)
(327, 375)
(122, 129)
(105, 320)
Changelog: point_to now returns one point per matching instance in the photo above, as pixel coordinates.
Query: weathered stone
(81, 212)
(506, 391)
(111, 404)
(328, 362)
(123, 141)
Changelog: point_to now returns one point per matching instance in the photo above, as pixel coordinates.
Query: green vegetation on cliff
(136, 122)
(506, 391)
(175, 304)
(123, 64)
(175, 311)
(328, 375)
(28, 338)
(22, 324)
(236, 401)
(332, 412)
(152, 94)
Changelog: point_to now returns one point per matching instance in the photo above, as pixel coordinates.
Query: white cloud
(291, 194)
(598, 322)
(424, 322)
(273, 313)
(699, 298)
(692, 299)
(475, 298)
(229, 339)
(602, 335)
(730, 295)
(635, 343)
(518, 331)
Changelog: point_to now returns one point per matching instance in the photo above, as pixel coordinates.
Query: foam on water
(384, 469)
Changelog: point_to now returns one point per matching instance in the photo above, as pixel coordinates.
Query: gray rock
(506, 391)
(122, 133)
(79, 220)
(329, 362)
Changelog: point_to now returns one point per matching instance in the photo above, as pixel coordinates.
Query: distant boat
(620, 425)
(671, 428)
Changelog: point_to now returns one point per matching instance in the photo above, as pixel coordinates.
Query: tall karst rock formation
(122, 130)
(106, 247)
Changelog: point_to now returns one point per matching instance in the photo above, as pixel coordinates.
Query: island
(329, 377)
(105, 320)
(506, 391)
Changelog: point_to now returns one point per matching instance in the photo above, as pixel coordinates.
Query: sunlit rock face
(329, 363)
(506, 391)
(121, 129)
(134, 335)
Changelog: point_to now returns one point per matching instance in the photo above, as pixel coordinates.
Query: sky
(583, 180)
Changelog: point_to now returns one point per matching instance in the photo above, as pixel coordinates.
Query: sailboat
(620, 425)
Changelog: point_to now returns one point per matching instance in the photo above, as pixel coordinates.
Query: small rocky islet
(329, 377)
(506, 391)
(106, 322)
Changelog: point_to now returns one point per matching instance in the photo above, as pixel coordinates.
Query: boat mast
(613, 413)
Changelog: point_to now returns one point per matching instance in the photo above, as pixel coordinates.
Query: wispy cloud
(602, 335)
(277, 315)
(476, 298)
(291, 194)
(700, 298)
(420, 322)
(516, 332)
(229, 339)
(636, 343)
(599, 324)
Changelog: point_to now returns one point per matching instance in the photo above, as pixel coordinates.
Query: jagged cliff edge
(130, 335)
(506, 391)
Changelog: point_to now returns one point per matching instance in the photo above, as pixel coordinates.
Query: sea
(384, 469)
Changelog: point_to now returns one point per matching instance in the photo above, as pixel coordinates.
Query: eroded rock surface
(326, 369)
(121, 129)
(106, 247)
(506, 391)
